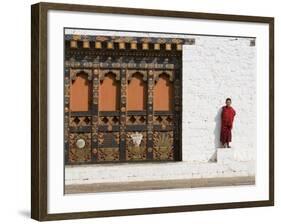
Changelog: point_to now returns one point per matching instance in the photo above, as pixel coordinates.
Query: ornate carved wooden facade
(122, 99)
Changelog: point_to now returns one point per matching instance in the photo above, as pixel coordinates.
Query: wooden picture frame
(39, 109)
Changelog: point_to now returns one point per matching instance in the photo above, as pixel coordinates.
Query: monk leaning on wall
(227, 117)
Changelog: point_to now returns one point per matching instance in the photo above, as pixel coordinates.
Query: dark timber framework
(108, 135)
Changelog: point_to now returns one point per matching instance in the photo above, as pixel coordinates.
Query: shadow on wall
(217, 143)
(217, 129)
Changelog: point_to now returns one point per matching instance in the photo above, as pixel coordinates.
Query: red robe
(227, 117)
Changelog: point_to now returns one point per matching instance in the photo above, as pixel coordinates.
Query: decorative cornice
(130, 43)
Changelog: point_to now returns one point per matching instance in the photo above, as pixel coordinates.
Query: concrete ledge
(108, 173)
(157, 185)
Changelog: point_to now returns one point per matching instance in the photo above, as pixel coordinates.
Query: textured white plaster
(225, 155)
(213, 69)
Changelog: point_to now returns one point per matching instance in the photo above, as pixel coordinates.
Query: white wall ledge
(105, 173)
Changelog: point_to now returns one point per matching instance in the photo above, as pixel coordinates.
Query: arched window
(137, 90)
(80, 93)
(109, 93)
(163, 94)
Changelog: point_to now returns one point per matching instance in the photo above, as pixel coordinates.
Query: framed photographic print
(140, 111)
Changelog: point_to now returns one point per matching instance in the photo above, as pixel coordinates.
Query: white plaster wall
(213, 69)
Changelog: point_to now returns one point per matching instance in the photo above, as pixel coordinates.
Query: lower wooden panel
(136, 146)
(163, 146)
(80, 147)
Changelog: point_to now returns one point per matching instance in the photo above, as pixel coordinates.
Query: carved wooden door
(122, 104)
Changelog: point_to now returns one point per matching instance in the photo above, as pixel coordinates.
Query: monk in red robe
(227, 117)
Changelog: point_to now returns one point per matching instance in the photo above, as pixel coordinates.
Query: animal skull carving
(136, 137)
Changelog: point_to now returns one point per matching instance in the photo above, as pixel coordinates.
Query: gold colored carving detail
(145, 46)
(73, 44)
(163, 120)
(86, 44)
(66, 128)
(100, 138)
(96, 87)
(115, 137)
(158, 73)
(80, 121)
(161, 41)
(168, 47)
(108, 154)
(138, 120)
(72, 63)
(110, 45)
(95, 118)
(136, 151)
(75, 72)
(156, 46)
(179, 47)
(109, 120)
(134, 45)
(66, 109)
(122, 45)
(163, 145)
(150, 107)
(102, 38)
(130, 74)
(104, 72)
(122, 127)
(78, 64)
(98, 45)
(77, 154)
(76, 37)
